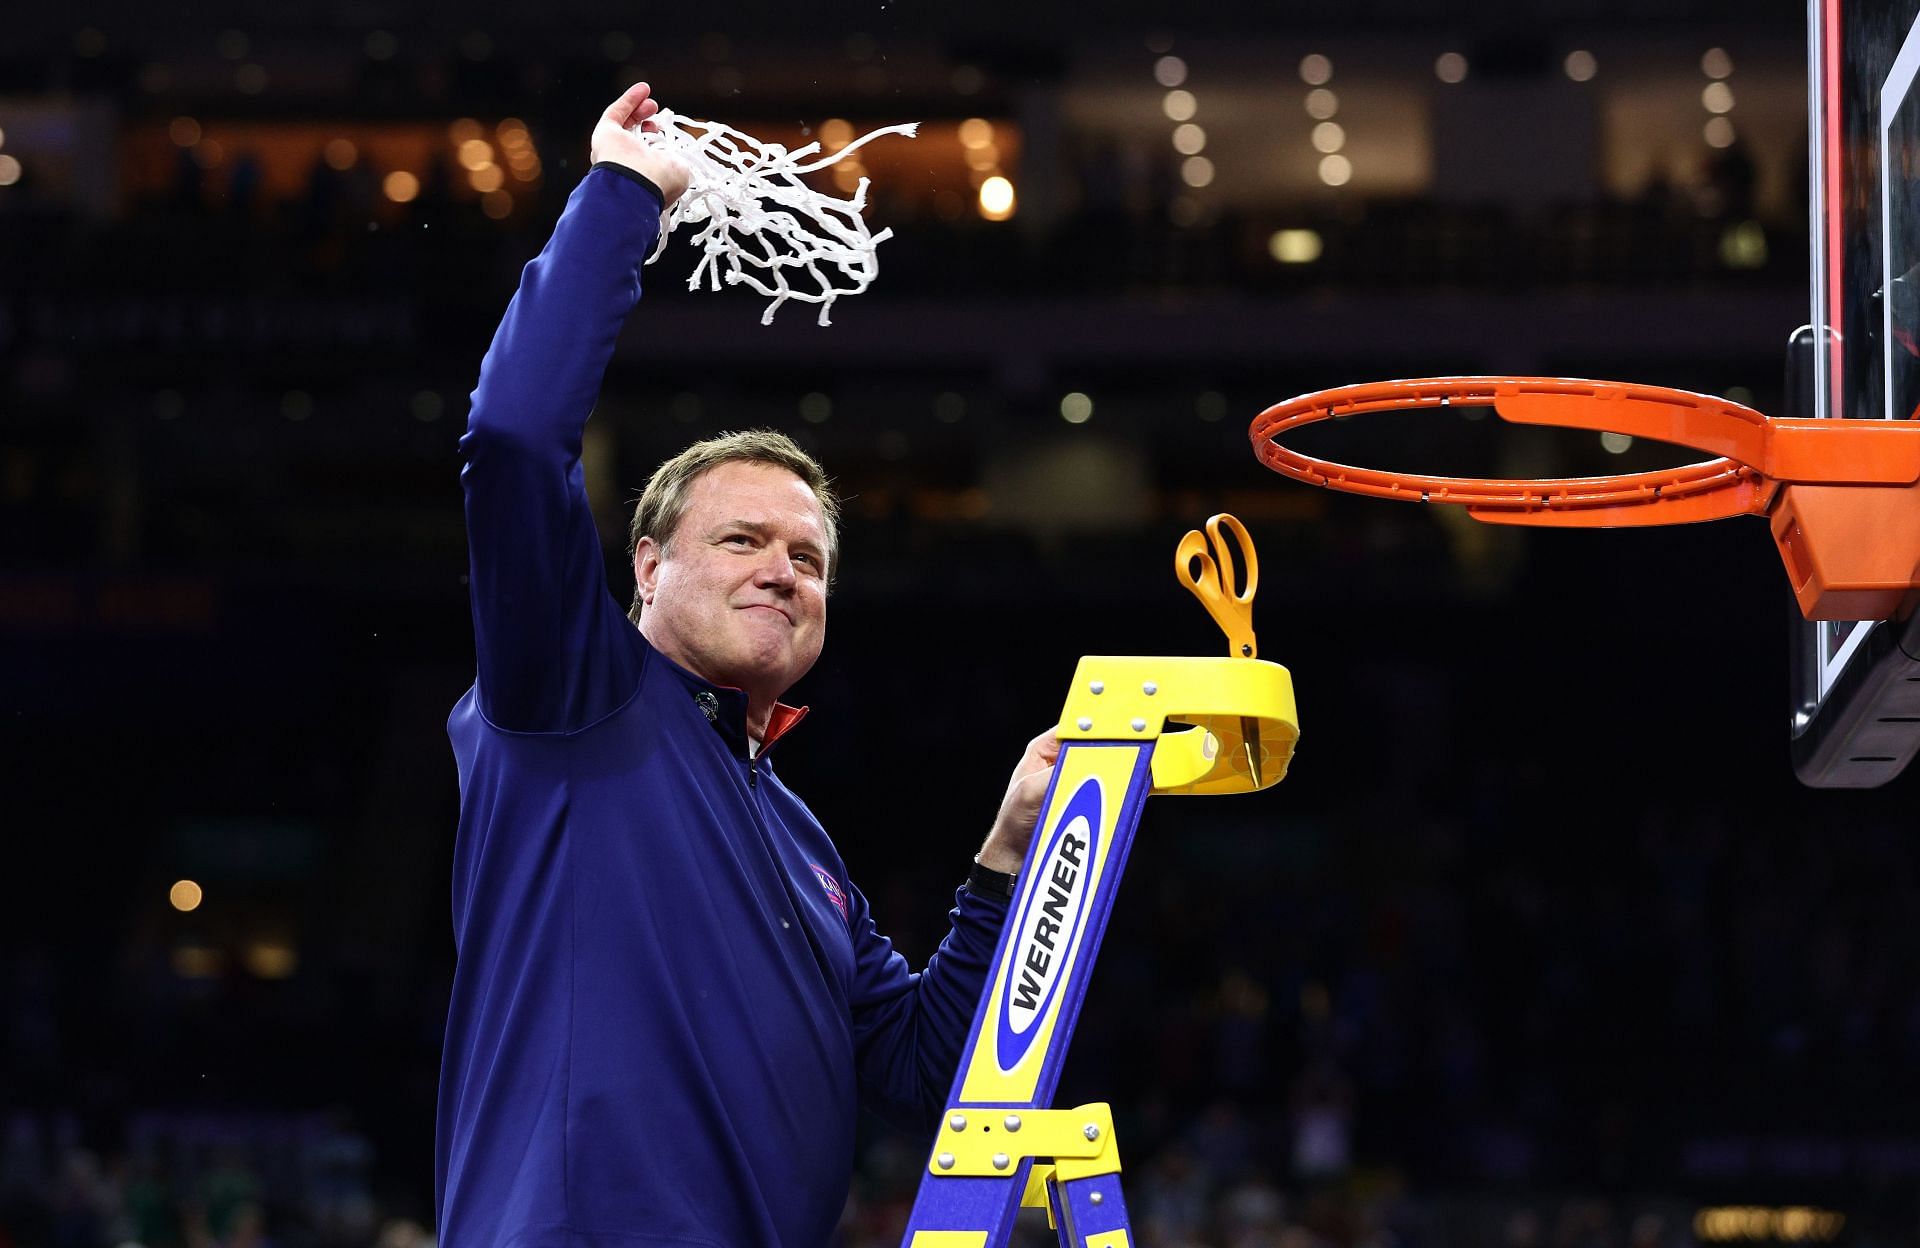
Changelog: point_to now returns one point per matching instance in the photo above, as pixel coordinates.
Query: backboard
(1856, 713)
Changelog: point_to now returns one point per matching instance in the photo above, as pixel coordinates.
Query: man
(669, 997)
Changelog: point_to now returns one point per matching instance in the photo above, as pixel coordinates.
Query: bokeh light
(271, 959)
(401, 187)
(996, 198)
(1295, 246)
(475, 154)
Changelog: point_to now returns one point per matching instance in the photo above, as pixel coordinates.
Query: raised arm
(552, 642)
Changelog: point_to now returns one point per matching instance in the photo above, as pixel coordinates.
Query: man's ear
(646, 568)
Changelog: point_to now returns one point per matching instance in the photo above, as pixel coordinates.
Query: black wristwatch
(990, 883)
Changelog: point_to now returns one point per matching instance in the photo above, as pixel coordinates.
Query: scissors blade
(1250, 738)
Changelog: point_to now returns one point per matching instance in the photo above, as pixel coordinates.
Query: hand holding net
(758, 224)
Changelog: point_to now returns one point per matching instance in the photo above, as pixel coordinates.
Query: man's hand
(1006, 846)
(613, 140)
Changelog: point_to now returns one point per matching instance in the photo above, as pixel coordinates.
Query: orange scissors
(1205, 564)
(1213, 579)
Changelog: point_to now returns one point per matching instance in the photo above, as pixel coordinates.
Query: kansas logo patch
(835, 894)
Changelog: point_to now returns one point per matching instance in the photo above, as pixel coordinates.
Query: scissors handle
(1206, 565)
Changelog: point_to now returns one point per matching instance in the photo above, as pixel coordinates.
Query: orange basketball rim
(1841, 496)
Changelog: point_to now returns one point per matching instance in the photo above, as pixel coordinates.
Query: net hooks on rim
(1842, 496)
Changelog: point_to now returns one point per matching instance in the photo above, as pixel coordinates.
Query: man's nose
(776, 566)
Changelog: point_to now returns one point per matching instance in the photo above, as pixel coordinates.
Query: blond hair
(664, 501)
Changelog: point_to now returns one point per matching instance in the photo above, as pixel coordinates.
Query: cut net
(758, 224)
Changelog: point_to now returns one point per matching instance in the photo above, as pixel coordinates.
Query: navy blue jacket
(669, 996)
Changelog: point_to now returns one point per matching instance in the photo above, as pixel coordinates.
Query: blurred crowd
(194, 1180)
(1343, 1033)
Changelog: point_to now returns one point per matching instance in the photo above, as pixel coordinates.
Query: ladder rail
(1043, 965)
(1131, 727)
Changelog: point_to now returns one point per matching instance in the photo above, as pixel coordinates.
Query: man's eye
(738, 539)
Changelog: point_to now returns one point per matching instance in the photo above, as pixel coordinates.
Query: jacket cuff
(635, 175)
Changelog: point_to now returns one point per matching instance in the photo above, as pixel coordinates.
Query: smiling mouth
(764, 606)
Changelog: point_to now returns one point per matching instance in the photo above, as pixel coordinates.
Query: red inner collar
(782, 718)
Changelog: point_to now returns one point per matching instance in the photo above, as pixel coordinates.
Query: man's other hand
(1006, 846)
(613, 140)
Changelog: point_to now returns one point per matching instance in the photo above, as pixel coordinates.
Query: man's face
(739, 593)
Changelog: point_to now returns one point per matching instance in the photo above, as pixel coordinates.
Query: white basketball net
(758, 224)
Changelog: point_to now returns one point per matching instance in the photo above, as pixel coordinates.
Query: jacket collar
(726, 709)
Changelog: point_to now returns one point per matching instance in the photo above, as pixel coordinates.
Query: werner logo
(1049, 923)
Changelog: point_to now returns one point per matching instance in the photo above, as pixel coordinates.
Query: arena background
(1540, 943)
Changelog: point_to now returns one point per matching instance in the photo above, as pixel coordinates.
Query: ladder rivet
(1098, 686)
(1139, 725)
(1090, 1131)
(1013, 1122)
(1149, 688)
(958, 1122)
(944, 1161)
(1094, 1198)
(1001, 1161)
(1086, 725)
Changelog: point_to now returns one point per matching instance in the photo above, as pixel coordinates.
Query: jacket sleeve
(909, 1029)
(553, 645)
